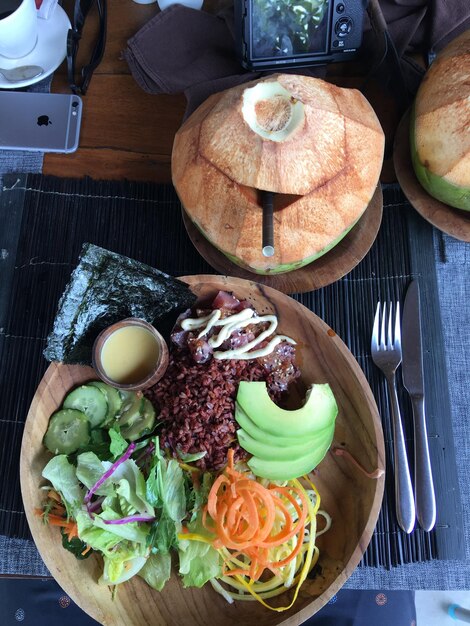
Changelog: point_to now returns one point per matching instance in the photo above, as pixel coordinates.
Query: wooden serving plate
(351, 498)
(326, 270)
(454, 222)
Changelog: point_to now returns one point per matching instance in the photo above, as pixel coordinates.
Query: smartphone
(41, 122)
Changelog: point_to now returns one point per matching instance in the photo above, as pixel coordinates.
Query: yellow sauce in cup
(129, 354)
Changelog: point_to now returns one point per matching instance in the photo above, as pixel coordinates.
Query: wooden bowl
(351, 498)
(454, 222)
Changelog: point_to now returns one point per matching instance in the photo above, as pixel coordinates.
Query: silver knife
(413, 379)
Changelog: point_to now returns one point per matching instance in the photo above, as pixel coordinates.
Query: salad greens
(61, 474)
(124, 500)
(131, 510)
(145, 513)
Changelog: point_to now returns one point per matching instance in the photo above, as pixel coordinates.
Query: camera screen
(286, 28)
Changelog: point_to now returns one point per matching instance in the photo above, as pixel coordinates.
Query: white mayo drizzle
(229, 324)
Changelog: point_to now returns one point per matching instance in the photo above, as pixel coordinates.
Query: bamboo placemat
(48, 219)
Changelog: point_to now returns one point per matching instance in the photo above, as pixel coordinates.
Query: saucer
(49, 51)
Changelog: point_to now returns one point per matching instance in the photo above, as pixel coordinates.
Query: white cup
(19, 29)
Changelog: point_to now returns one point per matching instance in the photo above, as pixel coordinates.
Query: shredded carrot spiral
(250, 519)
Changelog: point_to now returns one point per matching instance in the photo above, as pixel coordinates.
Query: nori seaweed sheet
(104, 288)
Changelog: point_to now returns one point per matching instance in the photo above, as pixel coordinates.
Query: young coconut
(318, 147)
(440, 126)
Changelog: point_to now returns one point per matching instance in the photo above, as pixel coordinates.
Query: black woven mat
(46, 220)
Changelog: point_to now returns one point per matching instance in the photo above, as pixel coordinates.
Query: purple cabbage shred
(109, 472)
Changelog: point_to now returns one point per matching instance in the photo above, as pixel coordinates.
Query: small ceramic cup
(130, 355)
(18, 28)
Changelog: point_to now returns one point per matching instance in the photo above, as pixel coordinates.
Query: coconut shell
(324, 176)
(442, 114)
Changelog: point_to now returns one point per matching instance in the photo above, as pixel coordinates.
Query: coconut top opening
(271, 111)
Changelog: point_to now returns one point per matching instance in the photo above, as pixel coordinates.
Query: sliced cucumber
(113, 398)
(142, 425)
(91, 401)
(127, 398)
(68, 431)
(131, 411)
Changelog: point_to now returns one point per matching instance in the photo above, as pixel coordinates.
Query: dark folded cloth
(414, 26)
(180, 47)
(182, 50)
(425, 25)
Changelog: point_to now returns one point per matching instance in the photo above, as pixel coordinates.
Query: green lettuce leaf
(61, 474)
(189, 458)
(89, 471)
(196, 498)
(121, 566)
(132, 531)
(165, 487)
(174, 496)
(163, 534)
(131, 486)
(127, 482)
(198, 560)
(107, 537)
(157, 570)
(166, 491)
(118, 444)
(95, 536)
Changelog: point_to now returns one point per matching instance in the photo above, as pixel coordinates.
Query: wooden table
(127, 133)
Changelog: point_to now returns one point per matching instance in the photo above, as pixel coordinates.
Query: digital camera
(276, 34)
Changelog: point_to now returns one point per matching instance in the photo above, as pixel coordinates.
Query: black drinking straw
(268, 222)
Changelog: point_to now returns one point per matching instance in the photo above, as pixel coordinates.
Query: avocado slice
(264, 450)
(318, 412)
(261, 435)
(286, 470)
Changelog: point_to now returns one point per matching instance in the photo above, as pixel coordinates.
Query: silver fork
(386, 354)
